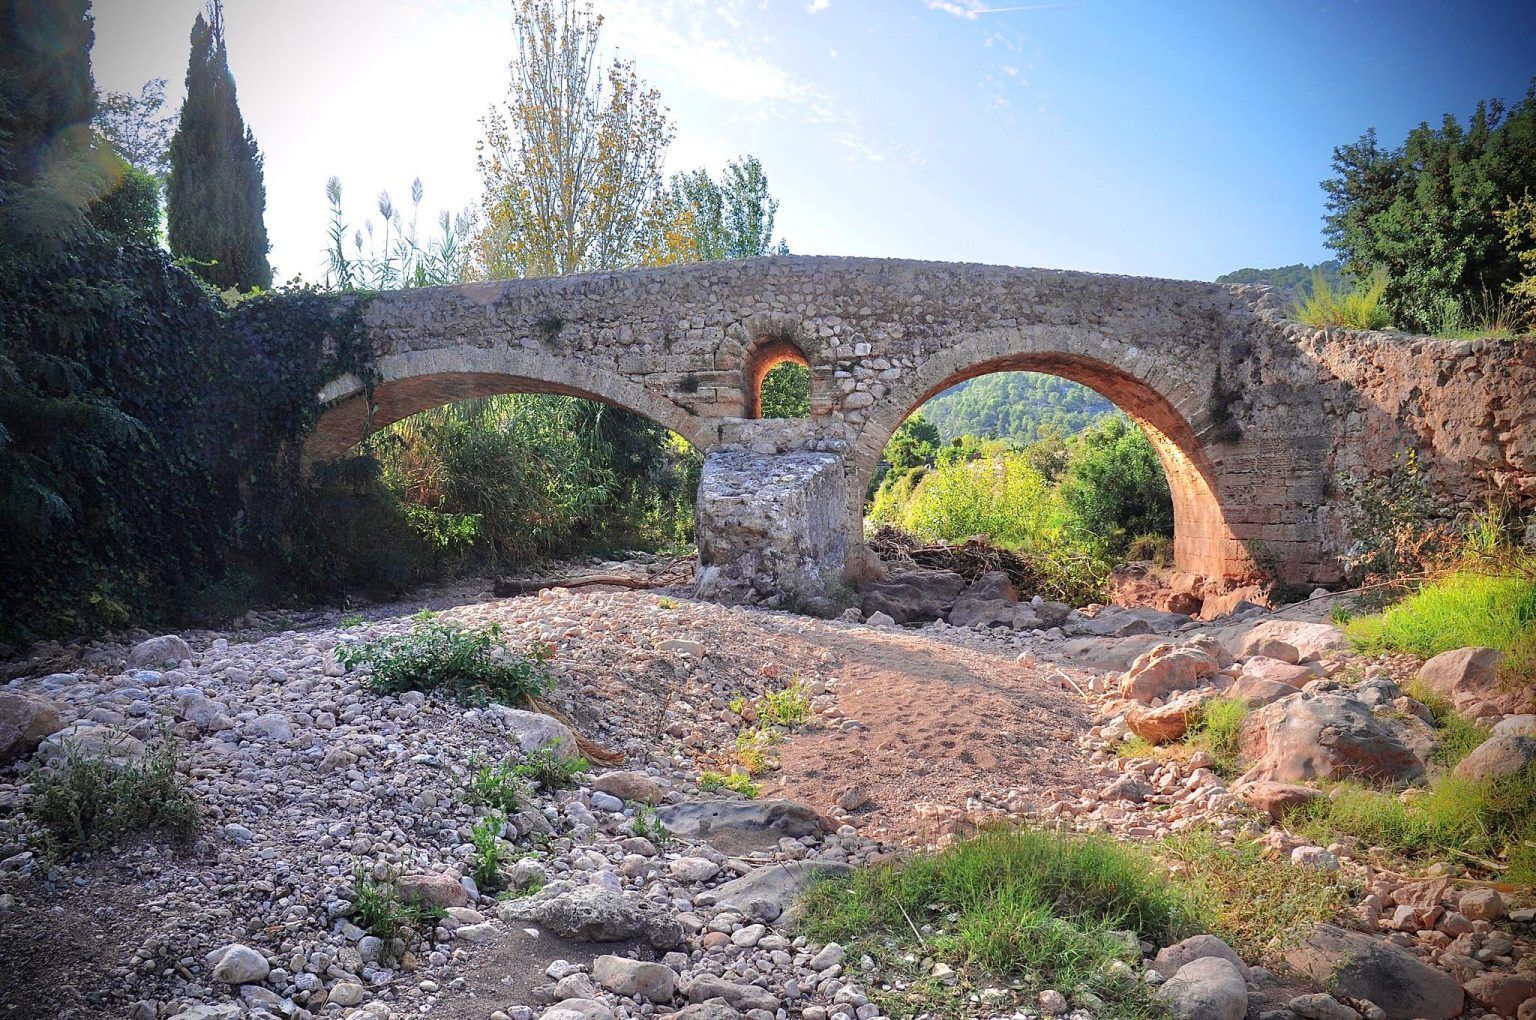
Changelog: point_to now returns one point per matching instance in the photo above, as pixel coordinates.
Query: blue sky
(1163, 139)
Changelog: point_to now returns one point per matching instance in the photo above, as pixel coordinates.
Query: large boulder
(622, 976)
(594, 914)
(1276, 799)
(1327, 736)
(1197, 947)
(1167, 723)
(1165, 670)
(768, 893)
(914, 595)
(165, 650)
(1311, 640)
(1470, 676)
(742, 826)
(989, 601)
(25, 719)
(1209, 988)
(631, 786)
(1262, 667)
(90, 740)
(1498, 757)
(432, 890)
(1362, 967)
(533, 731)
(1254, 692)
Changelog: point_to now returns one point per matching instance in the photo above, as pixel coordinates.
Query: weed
(1221, 723)
(733, 781)
(1457, 735)
(470, 665)
(666, 602)
(378, 909)
(1361, 307)
(1257, 905)
(1050, 909)
(754, 749)
(499, 786)
(87, 801)
(788, 707)
(551, 769)
(351, 620)
(490, 851)
(647, 824)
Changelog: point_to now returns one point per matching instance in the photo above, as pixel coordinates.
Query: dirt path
(929, 723)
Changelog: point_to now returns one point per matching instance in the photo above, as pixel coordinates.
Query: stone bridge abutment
(1255, 418)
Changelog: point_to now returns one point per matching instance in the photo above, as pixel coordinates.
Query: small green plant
(1457, 735)
(1220, 725)
(788, 707)
(1361, 307)
(469, 665)
(351, 620)
(551, 768)
(490, 852)
(424, 616)
(754, 749)
(378, 909)
(736, 782)
(87, 801)
(666, 602)
(647, 824)
(499, 786)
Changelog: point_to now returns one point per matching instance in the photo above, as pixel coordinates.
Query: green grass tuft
(734, 781)
(86, 802)
(469, 665)
(1361, 307)
(552, 768)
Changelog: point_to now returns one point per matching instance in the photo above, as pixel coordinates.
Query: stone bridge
(1255, 418)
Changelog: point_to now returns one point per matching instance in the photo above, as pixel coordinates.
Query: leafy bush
(552, 768)
(648, 825)
(1020, 904)
(1115, 486)
(499, 786)
(378, 909)
(1360, 307)
(470, 665)
(789, 706)
(88, 801)
(786, 391)
(1156, 548)
(736, 782)
(490, 852)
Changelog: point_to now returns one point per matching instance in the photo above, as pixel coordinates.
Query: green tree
(136, 128)
(915, 443)
(1426, 212)
(216, 195)
(786, 391)
(131, 210)
(1115, 485)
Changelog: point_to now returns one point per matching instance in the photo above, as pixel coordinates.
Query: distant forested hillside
(1297, 278)
(1013, 405)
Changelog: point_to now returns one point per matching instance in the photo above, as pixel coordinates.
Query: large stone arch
(414, 381)
(1160, 399)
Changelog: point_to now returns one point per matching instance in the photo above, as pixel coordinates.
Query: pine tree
(216, 195)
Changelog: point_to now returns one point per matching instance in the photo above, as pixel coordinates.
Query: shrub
(1115, 486)
(733, 781)
(379, 910)
(552, 768)
(1220, 725)
(1457, 735)
(490, 852)
(498, 786)
(87, 801)
(470, 665)
(786, 391)
(1021, 904)
(1361, 307)
(790, 706)
(1156, 548)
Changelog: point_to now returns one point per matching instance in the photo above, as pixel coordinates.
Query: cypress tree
(216, 195)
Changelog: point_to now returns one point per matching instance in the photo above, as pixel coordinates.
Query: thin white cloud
(972, 9)
(817, 6)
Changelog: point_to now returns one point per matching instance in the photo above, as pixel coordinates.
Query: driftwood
(507, 587)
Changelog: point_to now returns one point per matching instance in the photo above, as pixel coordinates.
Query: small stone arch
(763, 356)
(1204, 542)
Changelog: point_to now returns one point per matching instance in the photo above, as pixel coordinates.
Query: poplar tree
(216, 195)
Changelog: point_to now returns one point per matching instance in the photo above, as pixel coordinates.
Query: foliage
(1300, 278)
(398, 258)
(490, 852)
(89, 801)
(1454, 818)
(1115, 484)
(1360, 307)
(789, 706)
(1217, 732)
(498, 786)
(131, 210)
(1257, 905)
(736, 782)
(786, 391)
(552, 768)
(216, 194)
(1461, 609)
(647, 824)
(571, 164)
(136, 128)
(1015, 405)
(1456, 735)
(699, 219)
(1037, 906)
(1519, 223)
(1156, 548)
(470, 665)
(1395, 523)
(1426, 212)
(379, 910)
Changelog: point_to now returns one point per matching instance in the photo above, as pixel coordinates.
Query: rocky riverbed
(638, 892)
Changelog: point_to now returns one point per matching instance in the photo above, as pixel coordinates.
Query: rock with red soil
(1274, 648)
(1165, 670)
(1167, 723)
(1362, 967)
(1311, 640)
(432, 890)
(1262, 667)
(1469, 676)
(1275, 799)
(1254, 692)
(1501, 993)
(1327, 736)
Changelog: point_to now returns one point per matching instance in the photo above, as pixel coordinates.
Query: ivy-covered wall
(149, 437)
